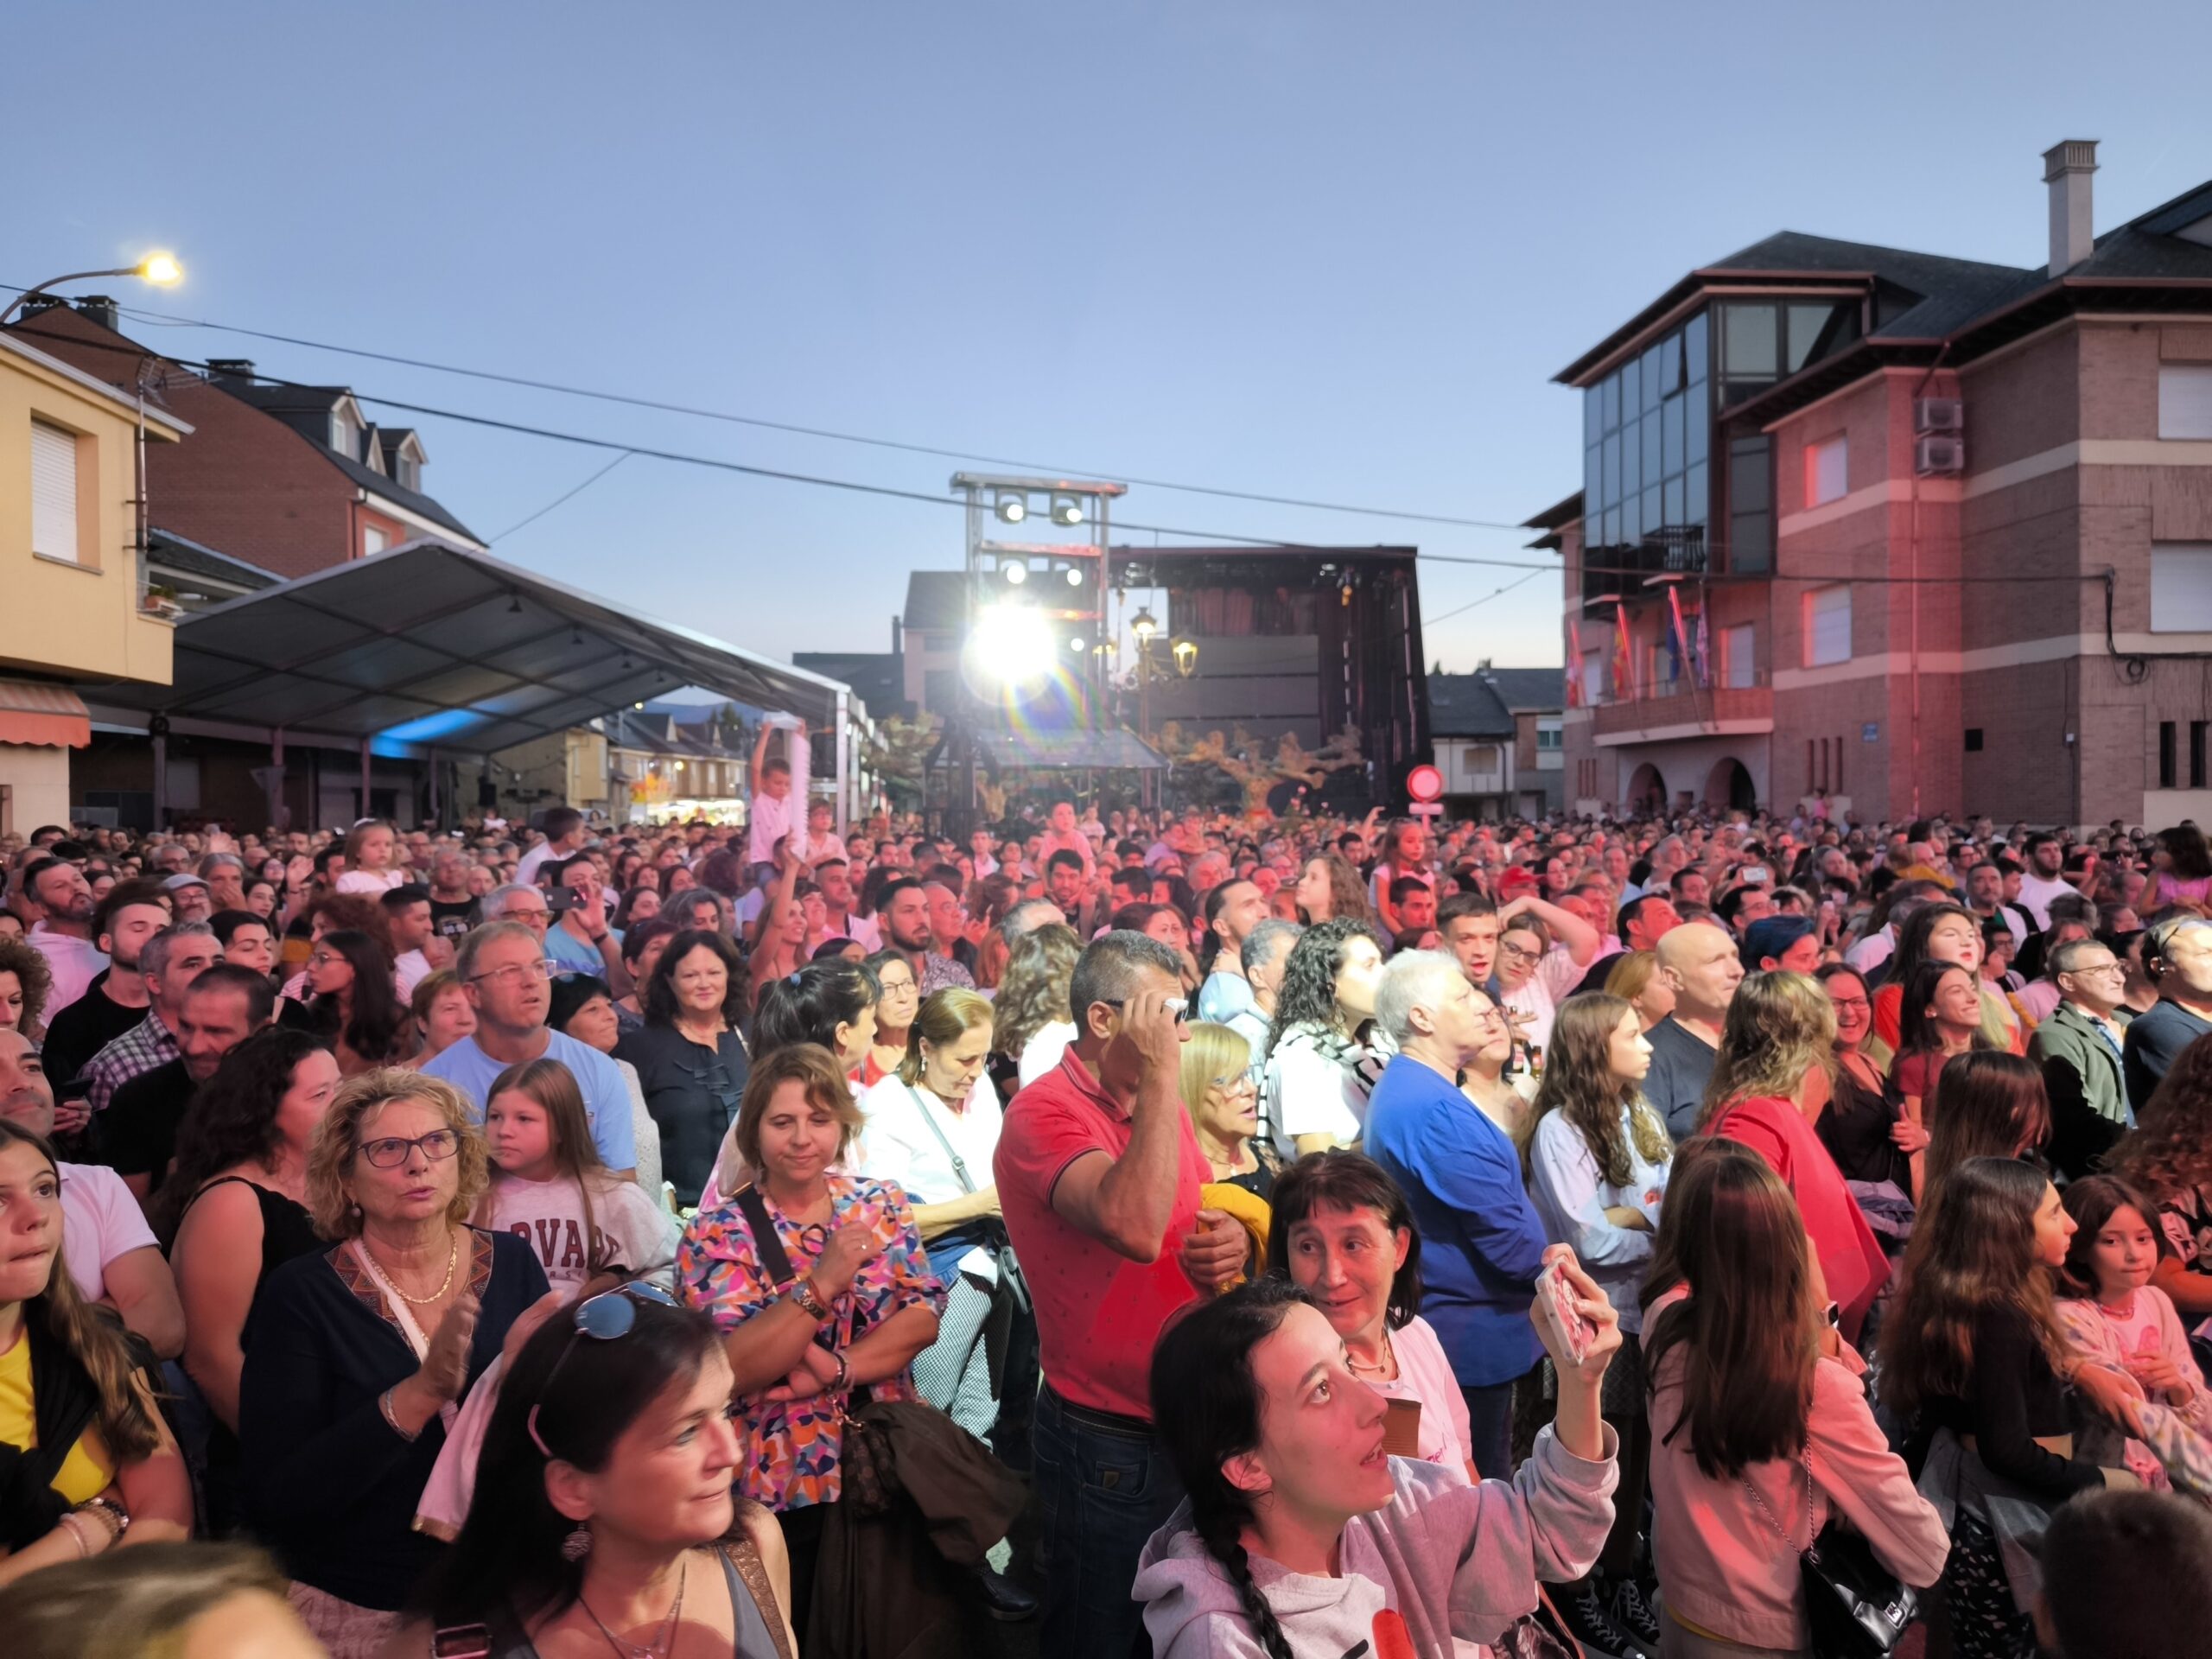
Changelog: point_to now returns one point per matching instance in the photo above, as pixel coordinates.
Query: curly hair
(1580, 1085)
(27, 963)
(2168, 1153)
(1780, 1026)
(1034, 992)
(232, 1117)
(338, 1137)
(352, 913)
(1308, 995)
(1347, 892)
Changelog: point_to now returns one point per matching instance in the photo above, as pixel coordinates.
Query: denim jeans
(1101, 1495)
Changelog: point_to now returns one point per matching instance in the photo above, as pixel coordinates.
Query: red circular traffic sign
(1425, 783)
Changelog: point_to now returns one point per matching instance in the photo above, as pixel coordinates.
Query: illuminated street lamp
(1187, 657)
(160, 268)
(1144, 624)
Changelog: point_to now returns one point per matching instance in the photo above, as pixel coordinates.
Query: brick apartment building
(290, 479)
(1940, 533)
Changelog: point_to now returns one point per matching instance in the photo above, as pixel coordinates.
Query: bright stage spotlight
(1015, 571)
(1010, 644)
(1011, 508)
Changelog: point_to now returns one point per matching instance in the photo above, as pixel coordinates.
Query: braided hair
(1205, 1407)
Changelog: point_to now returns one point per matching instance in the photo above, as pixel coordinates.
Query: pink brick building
(1940, 533)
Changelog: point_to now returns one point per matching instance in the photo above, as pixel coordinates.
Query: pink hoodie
(1722, 1566)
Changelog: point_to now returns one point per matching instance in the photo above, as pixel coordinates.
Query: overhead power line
(800, 430)
(931, 498)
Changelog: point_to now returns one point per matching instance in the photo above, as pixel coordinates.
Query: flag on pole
(1573, 663)
(1624, 655)
(1704, 651)
(1681, 633)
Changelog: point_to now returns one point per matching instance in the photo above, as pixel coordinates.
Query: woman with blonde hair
(1031, 1022)
(89, 1455)
(357, 1355)
(1636, 979)
(1223, 1102)
(1771, 1083)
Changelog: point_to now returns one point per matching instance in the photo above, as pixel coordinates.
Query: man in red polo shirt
(1098, 1178)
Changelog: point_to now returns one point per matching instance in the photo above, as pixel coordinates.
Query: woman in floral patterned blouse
(839, 1317)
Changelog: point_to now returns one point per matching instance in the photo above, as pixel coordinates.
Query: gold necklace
(1390, 1361)
(452, 1260)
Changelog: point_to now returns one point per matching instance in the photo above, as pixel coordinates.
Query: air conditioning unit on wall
(1938, 415)
(1939, 456)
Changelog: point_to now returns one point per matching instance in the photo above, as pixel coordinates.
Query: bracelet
(383, 1404)
(69, 1525)
(112, 1516)
(809, 1298)
(844, 1374)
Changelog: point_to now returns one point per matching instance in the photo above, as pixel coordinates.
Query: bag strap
(765, 1238)
(959, 1165)
(1795, 1548)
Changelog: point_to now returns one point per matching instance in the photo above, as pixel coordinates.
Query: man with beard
(226, 1004)
(58, 902)
(903, 908)
(168, 963)
(132, 913)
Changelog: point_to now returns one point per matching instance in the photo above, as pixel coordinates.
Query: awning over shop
(1070, 751)
(47, 716)
(428, 644)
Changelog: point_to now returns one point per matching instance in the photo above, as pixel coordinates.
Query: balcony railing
(1676, 552)
(1682, 703)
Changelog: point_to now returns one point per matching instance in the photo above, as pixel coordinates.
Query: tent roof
(427, 644)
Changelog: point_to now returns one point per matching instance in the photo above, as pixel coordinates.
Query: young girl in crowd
(1598, 1168)
(1992, 1106)
(1322, 1059)
(1974, 1352)
(1301, 1537)
(2117, 1318)
(371, 846)
(549, 1189)
(1760, 1416)
(1940, 1011)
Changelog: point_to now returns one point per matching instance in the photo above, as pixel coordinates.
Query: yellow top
(88, 1469)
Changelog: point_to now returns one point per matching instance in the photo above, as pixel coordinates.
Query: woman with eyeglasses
(691, 1062)
(898, 999)
(819, 1282)
(357, 1355)
(351, 1002)
(1224, 1102)
(604, 1486)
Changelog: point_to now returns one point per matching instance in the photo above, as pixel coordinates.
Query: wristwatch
(807, 1297)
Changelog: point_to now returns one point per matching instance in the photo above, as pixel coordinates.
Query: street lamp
(1144, 624)
(160, 268)
(1187, 657)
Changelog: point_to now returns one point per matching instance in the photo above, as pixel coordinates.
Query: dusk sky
(1330, 251)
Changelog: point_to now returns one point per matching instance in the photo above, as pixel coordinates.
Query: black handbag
(1856, 1607)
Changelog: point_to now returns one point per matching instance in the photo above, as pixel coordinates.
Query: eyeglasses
(2100, 968)
(1241, 1084)
(538, 970)
(608, 1316)
(324, 959)
(391, 1152)
(1175, 1004)
(1520, 952)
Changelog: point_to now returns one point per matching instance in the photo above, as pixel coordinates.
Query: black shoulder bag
(1856, 1607)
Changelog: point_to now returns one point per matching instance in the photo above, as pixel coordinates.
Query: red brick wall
(243, 482)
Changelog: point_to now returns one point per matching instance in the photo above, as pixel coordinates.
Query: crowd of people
(1201, 1233)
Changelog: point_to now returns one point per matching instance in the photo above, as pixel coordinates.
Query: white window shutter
(1828, 632)
(1828, 471)
(54, 491)
(2181, 587)
(2185, 400)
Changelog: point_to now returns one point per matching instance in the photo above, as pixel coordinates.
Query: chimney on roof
(2066, 168)
(236, 373)
(97, 307)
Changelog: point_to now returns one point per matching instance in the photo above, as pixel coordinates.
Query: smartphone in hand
(1578, 1331)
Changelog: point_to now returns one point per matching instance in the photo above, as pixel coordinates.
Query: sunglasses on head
(607, 1316)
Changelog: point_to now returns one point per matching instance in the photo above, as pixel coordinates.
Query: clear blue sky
(1329, 250)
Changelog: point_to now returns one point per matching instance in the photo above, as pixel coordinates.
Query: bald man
(1702, 963)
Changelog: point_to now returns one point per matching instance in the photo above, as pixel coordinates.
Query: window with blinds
(1827, 627)
(54, 491)
(2185, 400)
(1828, 471)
